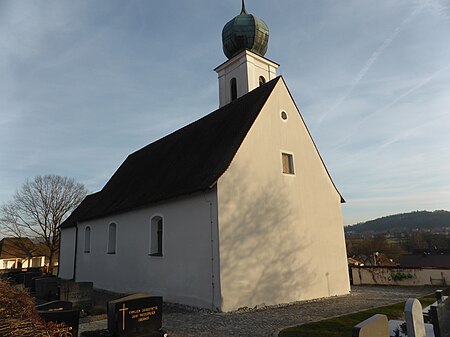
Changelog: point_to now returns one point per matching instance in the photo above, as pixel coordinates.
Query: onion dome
(243, 32)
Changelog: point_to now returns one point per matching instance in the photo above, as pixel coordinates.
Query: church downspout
(76, 253)
(212, 254)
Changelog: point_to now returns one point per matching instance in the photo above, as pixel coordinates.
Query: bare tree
(39, 207)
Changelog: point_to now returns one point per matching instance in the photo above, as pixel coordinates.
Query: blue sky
(84, 83)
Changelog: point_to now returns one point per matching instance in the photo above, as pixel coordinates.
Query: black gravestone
(46, 287)
(55, 306)
(79, 293)
(138, 315)
(28, 278)
(440, 317)
(67, 321)
(33, 281)
(13, 275)
(21, 277)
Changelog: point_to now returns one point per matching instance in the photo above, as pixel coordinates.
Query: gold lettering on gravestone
(144, 314)
(56, 309)
(62, 330)
(123, 315)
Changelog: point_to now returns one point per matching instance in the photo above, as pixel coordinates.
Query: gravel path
(186, 322)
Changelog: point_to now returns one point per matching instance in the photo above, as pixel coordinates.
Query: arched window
(233, 86)
(262, 80)
(87, 239)
(156, 236)
(112, 232)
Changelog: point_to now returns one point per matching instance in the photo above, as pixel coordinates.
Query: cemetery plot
(46, 287)
(79, 293)
(137, 315)
(67, 321)
(440, 317)
(415, 326)
(55, 306)
(375, 326)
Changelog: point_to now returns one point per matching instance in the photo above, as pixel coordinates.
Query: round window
(284, 115)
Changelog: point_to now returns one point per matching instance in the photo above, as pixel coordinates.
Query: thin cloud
(386, 43)
(391, 104)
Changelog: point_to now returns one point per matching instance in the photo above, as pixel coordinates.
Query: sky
(85, 83)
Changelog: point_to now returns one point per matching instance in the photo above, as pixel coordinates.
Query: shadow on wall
(264, 256)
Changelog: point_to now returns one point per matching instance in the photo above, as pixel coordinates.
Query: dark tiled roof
(189, 160)
(425, 260)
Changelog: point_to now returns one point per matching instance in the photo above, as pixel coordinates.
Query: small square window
(288, 163)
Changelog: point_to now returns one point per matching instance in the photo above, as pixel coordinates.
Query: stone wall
(400, 276)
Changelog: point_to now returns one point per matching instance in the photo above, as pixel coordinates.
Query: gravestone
(375, 326)
(138, 315)
(13, 275)
(21, 277)
(55, 306)
(440, 317)
(28, 278)
(79, 293)
(46, 287)
(415, 325)
(67, 321)
(33, 281)
(438, 294)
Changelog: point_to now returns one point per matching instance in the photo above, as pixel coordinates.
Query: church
(236, 209)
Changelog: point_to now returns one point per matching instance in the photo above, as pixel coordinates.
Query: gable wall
(183, 274)
(281, 236)
(67, 253)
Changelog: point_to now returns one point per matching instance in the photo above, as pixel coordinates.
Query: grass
(342, 326)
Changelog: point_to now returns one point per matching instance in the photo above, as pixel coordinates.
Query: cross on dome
(243, 11)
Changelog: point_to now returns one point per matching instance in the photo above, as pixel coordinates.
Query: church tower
(245, 40)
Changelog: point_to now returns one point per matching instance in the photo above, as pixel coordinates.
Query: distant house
(354, 262)
(426, 259)
(384, 261)
(21, 253)
(375, 259)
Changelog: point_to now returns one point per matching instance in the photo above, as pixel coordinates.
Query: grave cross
(123, 315)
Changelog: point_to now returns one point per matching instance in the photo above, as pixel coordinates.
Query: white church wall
(67, 253)
(281, 235)
(185, 272)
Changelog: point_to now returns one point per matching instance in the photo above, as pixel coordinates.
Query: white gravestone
(375, 326)
(415, 325)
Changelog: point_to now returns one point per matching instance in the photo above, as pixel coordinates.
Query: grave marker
(46, 287)
(28, 278)
(13, 275)
(415, 325)
(66, 320)
(137, 315)
(438, 294)
(79, 293)
(375, 326)
(55, 306)
(440, 317)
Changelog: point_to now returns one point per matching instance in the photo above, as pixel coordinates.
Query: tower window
(87, 240)
(156, 236)
(262, 80)
(233, 86)
(288, 163)
(112, 231)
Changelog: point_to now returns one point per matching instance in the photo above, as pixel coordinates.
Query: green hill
(404, 221)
